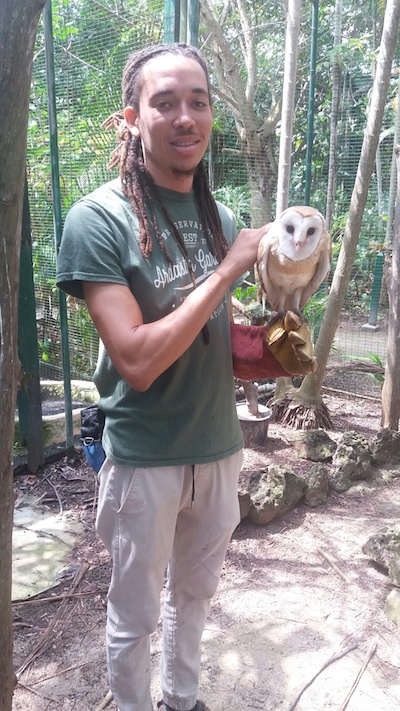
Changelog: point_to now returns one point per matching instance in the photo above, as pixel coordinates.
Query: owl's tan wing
(264, 256)
(322, 269)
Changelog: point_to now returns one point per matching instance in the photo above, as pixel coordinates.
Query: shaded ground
(281, 612)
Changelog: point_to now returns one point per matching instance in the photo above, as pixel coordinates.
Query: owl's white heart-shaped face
(299, 234)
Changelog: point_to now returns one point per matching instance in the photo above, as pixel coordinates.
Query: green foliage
(45, 349)
(315, 307)
(246, 294)
(256, 312)
(378, 377)
(238, 199)
(91, 44)
(359, 291)
(83, 341)
(44, 270)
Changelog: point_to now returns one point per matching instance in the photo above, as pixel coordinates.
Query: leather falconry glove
(289, 340)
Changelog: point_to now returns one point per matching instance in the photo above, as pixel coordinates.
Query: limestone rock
(273, 492)
(351, 462)
(244, 503)
(385, 448)
(312, 444)
(317, 482)
(392, 606)
(384, 548)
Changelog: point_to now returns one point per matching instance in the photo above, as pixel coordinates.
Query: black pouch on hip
(92, 426)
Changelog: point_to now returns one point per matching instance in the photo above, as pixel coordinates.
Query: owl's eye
(290, 229)
(310, 231)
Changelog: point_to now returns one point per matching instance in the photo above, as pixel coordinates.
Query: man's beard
(181, 174)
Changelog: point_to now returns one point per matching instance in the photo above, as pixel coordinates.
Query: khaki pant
(180, 516)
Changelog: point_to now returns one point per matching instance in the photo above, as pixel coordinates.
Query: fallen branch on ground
(107, 699)
(55, 598)
(358, 366)
(346, 393)
(370, 652)
(335, 657)
(58, 497)
(334, 566)
(37, 693)
(53, 630)
(61, 672)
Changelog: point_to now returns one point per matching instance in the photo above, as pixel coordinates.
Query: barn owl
(294, 257)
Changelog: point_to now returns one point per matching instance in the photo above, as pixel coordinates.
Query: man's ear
(132, 119)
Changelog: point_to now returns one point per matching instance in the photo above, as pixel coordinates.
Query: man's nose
(183, 116)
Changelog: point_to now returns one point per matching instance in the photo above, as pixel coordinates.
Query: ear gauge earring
(134, 128)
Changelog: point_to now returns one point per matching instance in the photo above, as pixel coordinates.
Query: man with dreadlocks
(154, 256)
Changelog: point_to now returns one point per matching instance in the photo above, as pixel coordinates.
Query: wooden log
(254, 427)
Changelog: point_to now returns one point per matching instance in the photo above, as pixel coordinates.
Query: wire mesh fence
(91, 43)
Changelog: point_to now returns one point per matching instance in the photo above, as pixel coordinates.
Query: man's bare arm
(141, 352)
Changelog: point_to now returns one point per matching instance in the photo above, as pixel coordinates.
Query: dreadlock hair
(137, 183)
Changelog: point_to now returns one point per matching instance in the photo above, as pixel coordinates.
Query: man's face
(174, 119)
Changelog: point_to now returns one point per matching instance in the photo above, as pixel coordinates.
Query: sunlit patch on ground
(42, 540)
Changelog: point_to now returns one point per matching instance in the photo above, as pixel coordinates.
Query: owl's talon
(275, 317)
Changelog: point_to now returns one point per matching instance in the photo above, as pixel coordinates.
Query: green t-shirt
(188, 415)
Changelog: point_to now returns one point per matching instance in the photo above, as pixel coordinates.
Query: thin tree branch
(335, 657)
(370, 652)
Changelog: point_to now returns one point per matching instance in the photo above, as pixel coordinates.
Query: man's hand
(243, 253)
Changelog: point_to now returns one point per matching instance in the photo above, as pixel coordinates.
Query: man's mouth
(184, 142)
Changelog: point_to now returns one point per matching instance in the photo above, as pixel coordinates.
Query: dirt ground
(298, 622)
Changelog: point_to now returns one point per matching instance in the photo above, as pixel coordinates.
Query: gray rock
(273, 492)
(244, 503)
(317, 481)
(312, 444)
(392, 606)
(388, 474)
(385, 448)
(351, 462)
(384, 548)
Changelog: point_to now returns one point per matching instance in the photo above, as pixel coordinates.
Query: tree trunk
(393, 173)
(258, 153)
(284, 385)
(288, 95)
(308, 397)
(391, 385)
(18, 25)
(236, 85)
(391, 202)
(330, 192)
